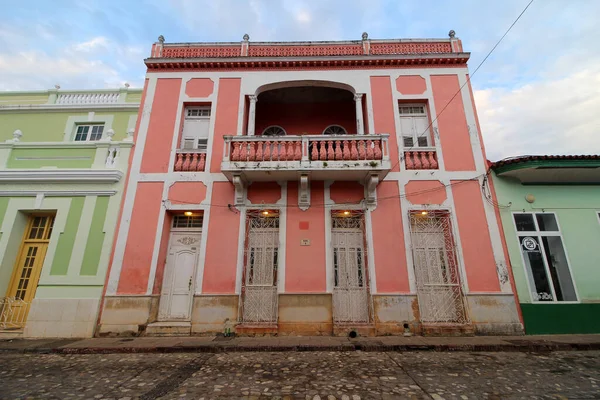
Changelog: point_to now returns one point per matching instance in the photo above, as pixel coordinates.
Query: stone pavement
(221, 344)
(303, 375)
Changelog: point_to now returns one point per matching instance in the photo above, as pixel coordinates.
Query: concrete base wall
(211, 314)
(494, 314)
(305, 314)
(127, 315)
(391, 312)
(61, 318)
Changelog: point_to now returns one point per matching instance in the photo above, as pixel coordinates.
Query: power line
(466, 82)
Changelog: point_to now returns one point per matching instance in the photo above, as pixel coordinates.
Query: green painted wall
(561, 318)
(45, 157)
(93, 248)
(576, 208)
(3, 206)
(60, 264)
(134, 97)
(19, 98)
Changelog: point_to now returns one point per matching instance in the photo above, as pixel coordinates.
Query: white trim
(64, 145)
(61, 176)
(74, 121)
(239, 271)
(56, 193)
(370, 253)
(329, 275)
(69, 107)
(281, 258)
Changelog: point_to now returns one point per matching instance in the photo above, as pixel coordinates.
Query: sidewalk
(221, 344)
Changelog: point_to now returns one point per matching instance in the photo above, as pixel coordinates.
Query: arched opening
(274, 130)
(306, 108)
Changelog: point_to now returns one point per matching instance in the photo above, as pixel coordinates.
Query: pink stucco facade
(345, 218)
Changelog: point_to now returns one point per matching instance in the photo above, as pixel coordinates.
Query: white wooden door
(178, 283)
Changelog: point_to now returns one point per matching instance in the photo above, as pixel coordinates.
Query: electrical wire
(466, 82)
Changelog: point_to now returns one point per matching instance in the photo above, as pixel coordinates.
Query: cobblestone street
(302, 375)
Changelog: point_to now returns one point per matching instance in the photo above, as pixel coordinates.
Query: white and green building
(63, 162)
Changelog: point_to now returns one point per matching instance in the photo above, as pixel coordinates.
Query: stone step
(169, 328)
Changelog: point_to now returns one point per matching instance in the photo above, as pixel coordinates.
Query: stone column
(360, 129)
(252, 114)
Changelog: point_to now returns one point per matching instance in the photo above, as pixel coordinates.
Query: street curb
(349, 347)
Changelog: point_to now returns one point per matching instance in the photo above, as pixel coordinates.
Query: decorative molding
(304, 193)
(60, 176)
(63, 107)
(370, 185)
(239, 185)
(187, 240)
(64, 145)
(56, 193)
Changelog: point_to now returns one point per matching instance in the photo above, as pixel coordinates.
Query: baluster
(330, 152)
(252, 153)
(362, 153)
(290, 151)
(370, 150)
(275, 154)
(244, 152)
(235, 156)
(194, 163)
(202, 162)
(179, 162)
(259, 151)
(409, 162)
(338, 150)
(432, 161)
(377, 150)
(424, 160)
(186, 162)
(417, 160)
(282, 151)
(346, 150)
(353, 150)
(314, 154)
(322, 150)
(267, 156)
(298, 150)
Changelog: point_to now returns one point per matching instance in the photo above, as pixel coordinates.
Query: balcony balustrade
(190, 161)
(423, 158)
(341, 157)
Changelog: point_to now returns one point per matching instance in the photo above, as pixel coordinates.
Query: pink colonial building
(307, 188)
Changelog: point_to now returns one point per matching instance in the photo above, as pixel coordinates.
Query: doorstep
(169, 328)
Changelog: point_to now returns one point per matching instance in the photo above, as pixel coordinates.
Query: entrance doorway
(26, 272)
(350, 286)
(180, 271)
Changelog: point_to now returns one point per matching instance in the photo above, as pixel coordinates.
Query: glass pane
(524, 222)
(547, 222)
(408, 141)
(534, 266)
(422, 140)
(559, 269)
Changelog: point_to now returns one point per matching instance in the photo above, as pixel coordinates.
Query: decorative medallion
(188, 240)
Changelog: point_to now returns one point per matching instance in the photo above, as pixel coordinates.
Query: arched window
(334, 130)
(274, 130)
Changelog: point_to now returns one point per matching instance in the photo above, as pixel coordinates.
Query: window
(334, 130)
(185, 221)
(414, 125)
(274, 130)
(88, 132)
(544, 256)
(196, 125)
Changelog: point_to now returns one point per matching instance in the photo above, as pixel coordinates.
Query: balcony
(339, 157)
(423, 158)
(190, 161)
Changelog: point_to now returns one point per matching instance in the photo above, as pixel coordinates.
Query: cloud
(551, 116)
(91, 45)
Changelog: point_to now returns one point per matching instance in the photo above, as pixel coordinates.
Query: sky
(538, 93)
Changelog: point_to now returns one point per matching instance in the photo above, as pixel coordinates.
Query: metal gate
(436, 268)
(350, 289)
(259, 287)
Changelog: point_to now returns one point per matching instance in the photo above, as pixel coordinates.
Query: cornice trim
(56, 193)
(61, 176)
(67, 107)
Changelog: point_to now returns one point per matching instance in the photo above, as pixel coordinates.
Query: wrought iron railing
(13, 312)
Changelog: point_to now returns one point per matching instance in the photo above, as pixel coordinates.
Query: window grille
(185, 221)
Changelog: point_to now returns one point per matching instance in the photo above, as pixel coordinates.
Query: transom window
(546, 264)
(334, 130)
(187, 221)
(88, 132)
(274, 130)
(414, 125)
(197, 112)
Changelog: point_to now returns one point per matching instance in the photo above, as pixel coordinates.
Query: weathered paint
(138, 251)
(388, 241)
(425, 192)
(264, 193)
(187, 193)
(346, 192)
(64, 249)
(305, 265)
(161, 262)
(453, 130)
(411, 84)
(475, 237)
(94, 246)
(221, 246)
(199, 87)
(226, 120)
(383, 113)
(159, 139)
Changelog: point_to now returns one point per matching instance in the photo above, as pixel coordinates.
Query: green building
(550, 209)
(63, 158)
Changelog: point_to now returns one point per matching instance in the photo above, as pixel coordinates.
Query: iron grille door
(436, 269)
(260, 275)
(350, 291)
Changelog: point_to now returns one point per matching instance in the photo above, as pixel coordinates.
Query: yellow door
(26, 272)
